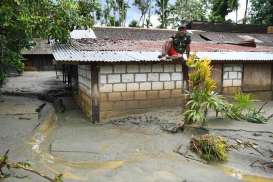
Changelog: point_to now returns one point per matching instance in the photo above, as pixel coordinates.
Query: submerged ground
(132, 148)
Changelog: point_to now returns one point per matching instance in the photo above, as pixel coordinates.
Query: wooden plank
(95, 93)
(217, 76)
(257, 77)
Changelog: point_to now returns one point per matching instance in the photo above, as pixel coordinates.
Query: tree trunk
(140, 19)
(244, 20)
(237, 15)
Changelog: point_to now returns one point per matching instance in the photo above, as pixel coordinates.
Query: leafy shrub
(232, 112)
(242, 101)
(210, 147)
(243, 107)
(133, 23)
(254, 116)
(201, 95)
(199, 103)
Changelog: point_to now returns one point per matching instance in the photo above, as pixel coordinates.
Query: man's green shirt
(180, 42)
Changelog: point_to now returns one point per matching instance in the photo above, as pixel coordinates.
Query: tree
(23, 20)
(107, 11)
(221, 8)
(261, 12)
(133, 23)
(244, 20)
(110, 13)
(163, 10)
(234, 4)
(122, 10)
(188, 11)
(144, 7)
(90, 9)
(148, 22)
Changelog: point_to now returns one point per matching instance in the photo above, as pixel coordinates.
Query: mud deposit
(132, 148)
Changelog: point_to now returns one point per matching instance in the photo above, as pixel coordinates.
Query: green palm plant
(241, 105)
(199, 103)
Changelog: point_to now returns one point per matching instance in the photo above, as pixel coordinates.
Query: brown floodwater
(51, 163)
(56, 165)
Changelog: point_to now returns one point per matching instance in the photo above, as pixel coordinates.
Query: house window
(232, 75)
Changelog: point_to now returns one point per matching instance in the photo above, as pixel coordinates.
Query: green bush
(199, 103)
(242, 101)
(243, 109)
(133, 23)
(210, 147)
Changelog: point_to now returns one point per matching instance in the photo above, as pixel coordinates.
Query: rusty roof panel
(260, 39)
(139, 33)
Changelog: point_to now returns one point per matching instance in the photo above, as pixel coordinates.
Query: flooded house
(119, 72)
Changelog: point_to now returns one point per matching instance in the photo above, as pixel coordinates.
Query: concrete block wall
(232, 78)
(84, 81)
(133, 88)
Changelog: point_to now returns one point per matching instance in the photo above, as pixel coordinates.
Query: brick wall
(232, 78)
(134, 88)
(84, 81)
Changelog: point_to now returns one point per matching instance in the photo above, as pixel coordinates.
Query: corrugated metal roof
(236, 56)
(70, 54)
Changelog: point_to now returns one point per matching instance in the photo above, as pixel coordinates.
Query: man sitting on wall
(176, 47)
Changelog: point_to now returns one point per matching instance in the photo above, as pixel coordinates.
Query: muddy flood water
(132, 148)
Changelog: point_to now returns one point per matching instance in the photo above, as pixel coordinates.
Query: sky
(241, 11)
(134, 13)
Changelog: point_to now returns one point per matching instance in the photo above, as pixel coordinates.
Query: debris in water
(6, 166)
(264, 164)
(177, 150)
(24, 118)
(172, 127)
(257, 134)
(210, 147)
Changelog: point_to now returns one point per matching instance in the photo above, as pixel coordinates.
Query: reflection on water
(244, 177)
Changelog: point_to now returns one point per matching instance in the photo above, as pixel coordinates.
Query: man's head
(182, 29)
